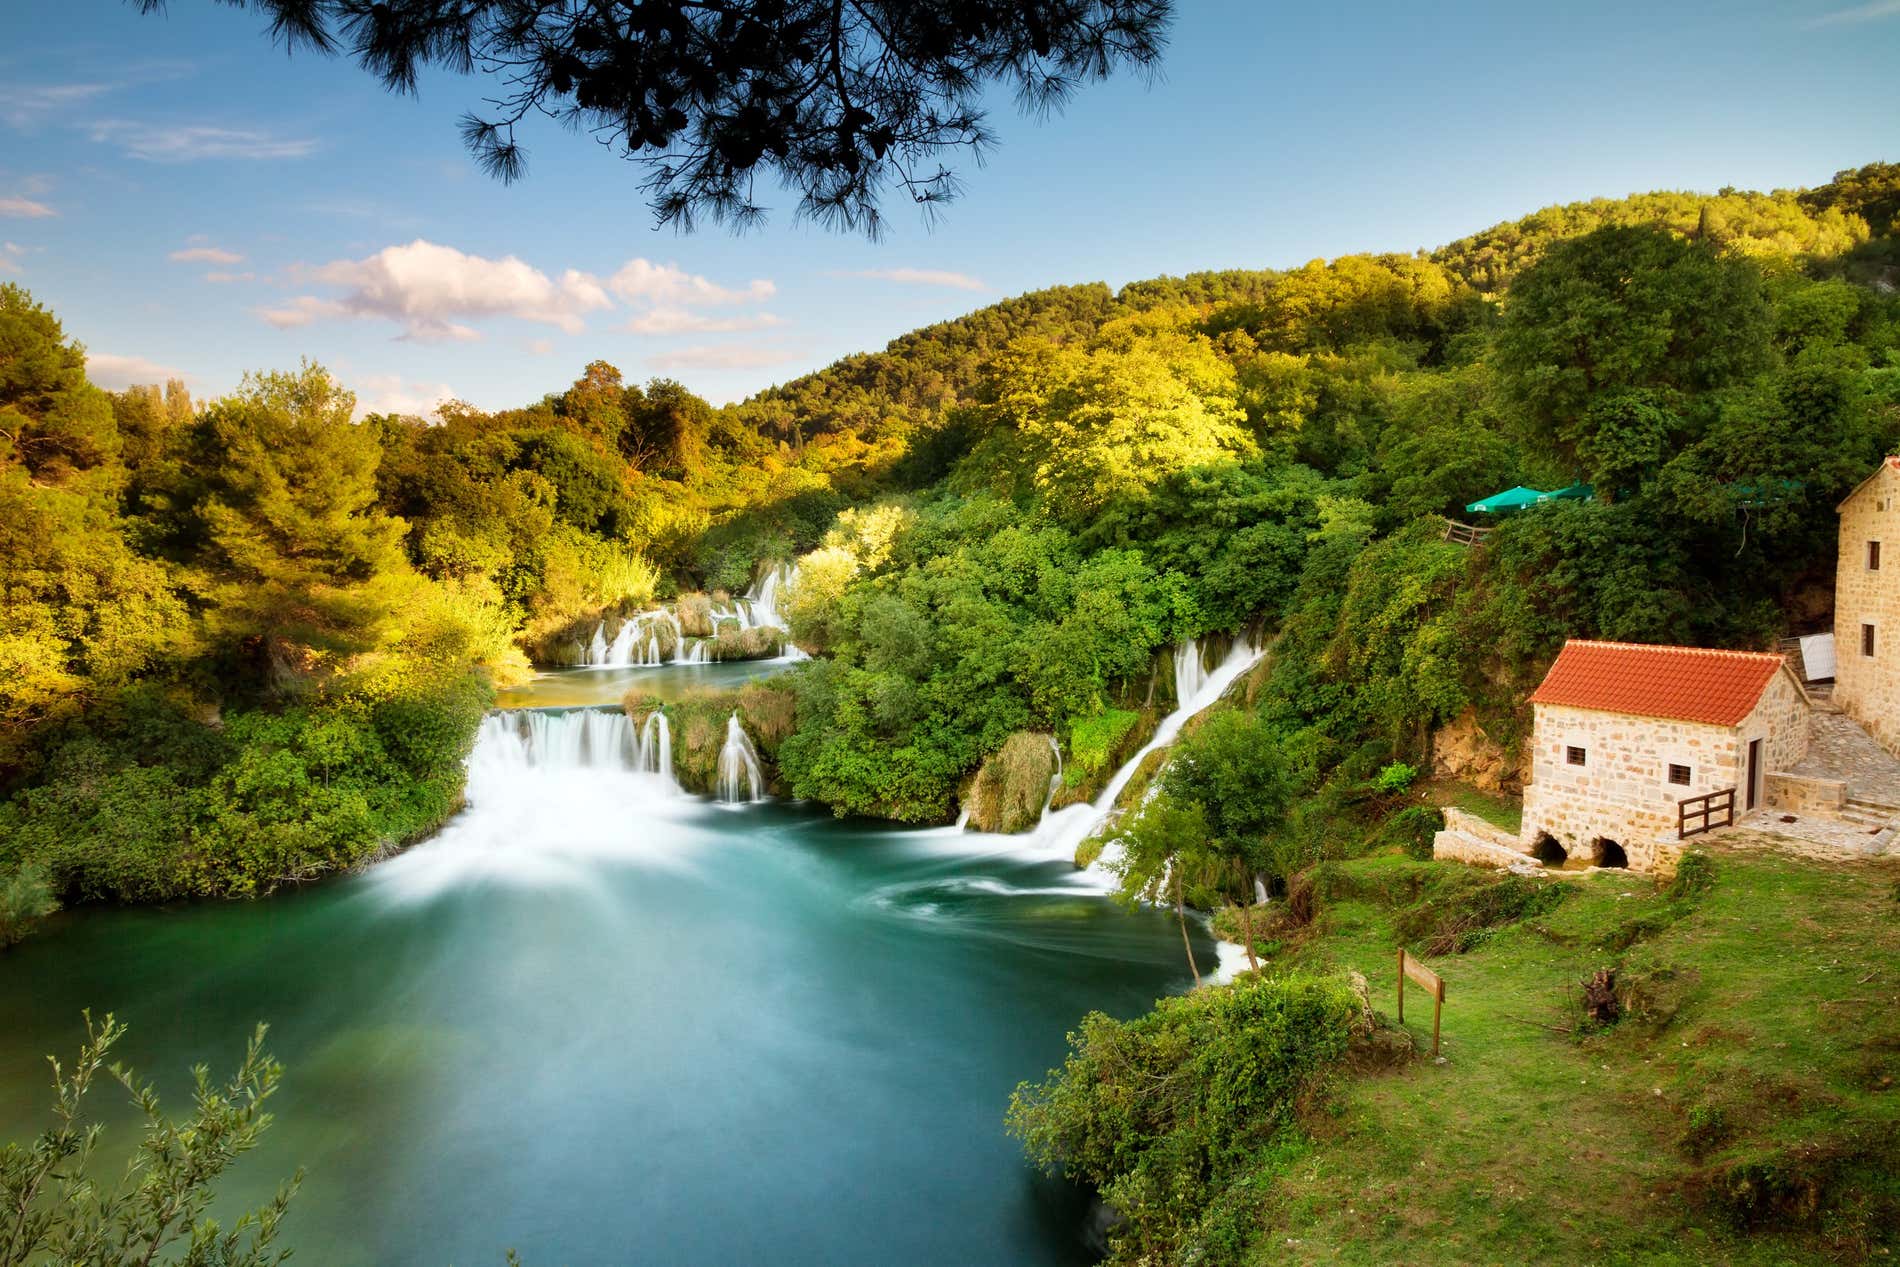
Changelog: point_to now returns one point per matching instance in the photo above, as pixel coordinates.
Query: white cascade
(763, 598)
(656, 746)
(739, 767)
(551, 794)
(1060, 831)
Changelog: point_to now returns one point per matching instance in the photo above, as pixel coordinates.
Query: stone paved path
(1839, 749)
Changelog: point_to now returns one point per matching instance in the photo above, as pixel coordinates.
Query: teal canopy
(1510, 499)
(1520, 497)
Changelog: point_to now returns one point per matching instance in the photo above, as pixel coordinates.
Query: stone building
(1867, 606)
(1624, 733)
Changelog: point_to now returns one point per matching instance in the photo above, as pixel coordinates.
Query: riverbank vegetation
(1736, 1105)
(246, 641)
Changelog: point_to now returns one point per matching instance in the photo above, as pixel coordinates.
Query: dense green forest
(247, 641)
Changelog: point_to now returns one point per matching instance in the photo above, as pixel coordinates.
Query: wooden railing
(1464, 534)
(1697, 814)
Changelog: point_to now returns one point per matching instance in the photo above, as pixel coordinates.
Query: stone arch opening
(1548, 851)
(1610, 854)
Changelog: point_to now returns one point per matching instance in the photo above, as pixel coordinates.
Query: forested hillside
(248, 641)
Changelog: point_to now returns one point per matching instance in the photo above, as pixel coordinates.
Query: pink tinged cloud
(923, 277)
(25, 208)
(665, 321)
(668, 285)
(205, 255)
(119, 372)
(432, 291)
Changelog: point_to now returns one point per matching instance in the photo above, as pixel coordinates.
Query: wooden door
(1754, 772)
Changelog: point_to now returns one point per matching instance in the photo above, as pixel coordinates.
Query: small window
(1679, 774)
(1867, 640)
(1575, 756)
(1873, 556)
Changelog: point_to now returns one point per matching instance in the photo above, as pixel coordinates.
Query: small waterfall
(550, 739)
(656, 746)
(636, 644)
(691, 651)
(1189, 674)
(764, 595)
(1062, 830)
(739, 763)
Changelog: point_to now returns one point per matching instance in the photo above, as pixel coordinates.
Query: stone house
(1867, 606)
(1624, 733)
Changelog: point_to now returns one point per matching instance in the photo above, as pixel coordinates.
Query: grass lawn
(1744, 1110)
(1500, 811)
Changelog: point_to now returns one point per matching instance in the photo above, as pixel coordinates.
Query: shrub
(1164, 1114)
(1395, 778)
(1695, 875)
(24, 898)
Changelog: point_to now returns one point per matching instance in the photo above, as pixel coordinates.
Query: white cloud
(722, 356)
(541, 347)
(1873, 12)
(922, 277)
(26, 104)
(27, 208)
(662, 321)
(184, 143)
(643, 281)
(10, 253)
(107, 370)
(425, 287)
(394, 394)
(205, 255)
(225, 279)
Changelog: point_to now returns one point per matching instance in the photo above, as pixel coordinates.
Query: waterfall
(635, 645)
(656, 746)
(570, 739)
(1189, 675)
(738, 761)
(1061, 831)
(691, 651)
(764, 595)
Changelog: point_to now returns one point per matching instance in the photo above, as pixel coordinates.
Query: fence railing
(1465, 534)
(1697, 814)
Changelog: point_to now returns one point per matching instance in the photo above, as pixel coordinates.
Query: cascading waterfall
(656, 746)
(1196, 688)
(635, 645)
(569, 739)
(765, 591)
(739, 767)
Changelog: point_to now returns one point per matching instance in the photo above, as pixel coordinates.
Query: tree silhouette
(837, 99)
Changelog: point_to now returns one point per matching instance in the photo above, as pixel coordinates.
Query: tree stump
(1599, 997)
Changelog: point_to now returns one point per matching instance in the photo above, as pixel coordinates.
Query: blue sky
(188, 199)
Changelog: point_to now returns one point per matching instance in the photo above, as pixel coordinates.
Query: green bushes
(24, 898)
(146, 803)
(1162, 1114)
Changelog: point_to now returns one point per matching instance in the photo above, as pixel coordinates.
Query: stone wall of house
(1868, 688)
(1800, 794)
(1780, 721)
(1622, 790)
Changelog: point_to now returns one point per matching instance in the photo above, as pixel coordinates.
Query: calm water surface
(604, 1022)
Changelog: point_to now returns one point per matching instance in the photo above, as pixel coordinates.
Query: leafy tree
(837, 100)
(292, 556)
(1871, 192)
(1611, 339)
(53, 423)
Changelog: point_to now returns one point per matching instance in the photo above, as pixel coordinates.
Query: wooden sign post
(1433, 983)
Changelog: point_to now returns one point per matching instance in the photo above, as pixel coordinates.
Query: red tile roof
(1679, 683)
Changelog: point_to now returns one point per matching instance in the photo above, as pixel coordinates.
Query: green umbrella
(1510, 499)
(1575, 492)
